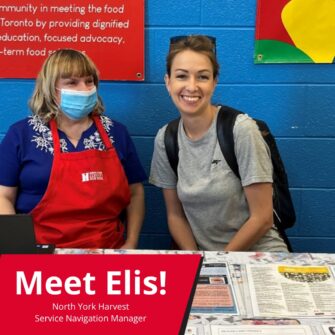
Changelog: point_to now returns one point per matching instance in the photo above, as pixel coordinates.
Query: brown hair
(198, 43)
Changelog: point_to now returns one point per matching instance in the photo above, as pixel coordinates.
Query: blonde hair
(63, 63)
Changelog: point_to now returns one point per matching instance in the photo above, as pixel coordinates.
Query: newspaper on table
(289, 290)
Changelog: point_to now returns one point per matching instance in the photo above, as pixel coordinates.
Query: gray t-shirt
(211, 195)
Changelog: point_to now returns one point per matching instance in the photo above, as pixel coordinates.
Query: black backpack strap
(225, 123)
(171, 144)
(278, 165)
(224, 128)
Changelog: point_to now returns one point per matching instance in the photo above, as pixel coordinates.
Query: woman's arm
(7, 199)
(135, 216)
(178, 224)
(259, 197)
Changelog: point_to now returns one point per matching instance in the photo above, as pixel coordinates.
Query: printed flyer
(288, 290)
(215, 293)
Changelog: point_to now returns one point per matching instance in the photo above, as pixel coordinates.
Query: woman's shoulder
(245, 125)
(112, 126)
(244, 120)
(159, 139)
(20, 124)
(30, 123)
(26, 131)
(161, 130)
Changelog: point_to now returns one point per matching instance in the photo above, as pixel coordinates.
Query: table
(258, 293)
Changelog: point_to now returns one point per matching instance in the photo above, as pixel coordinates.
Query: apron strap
(104, 136)
(55, 136)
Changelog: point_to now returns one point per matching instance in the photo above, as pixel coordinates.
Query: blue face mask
(78, 104)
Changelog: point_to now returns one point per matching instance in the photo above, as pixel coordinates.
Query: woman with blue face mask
(72, 168)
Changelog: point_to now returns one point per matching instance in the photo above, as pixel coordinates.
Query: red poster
(295, 31)
(96, 294)
(110, 32)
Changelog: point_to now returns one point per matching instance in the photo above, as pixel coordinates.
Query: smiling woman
(191, 85)
(208, 207)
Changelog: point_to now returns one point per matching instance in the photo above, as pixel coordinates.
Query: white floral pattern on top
(43, 137)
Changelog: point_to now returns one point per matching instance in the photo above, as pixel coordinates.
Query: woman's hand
(259, 197)
(135, 216)
(7, 199)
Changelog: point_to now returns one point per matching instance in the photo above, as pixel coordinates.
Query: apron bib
(86, 194)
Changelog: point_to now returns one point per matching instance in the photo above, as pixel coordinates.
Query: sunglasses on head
(176, 39)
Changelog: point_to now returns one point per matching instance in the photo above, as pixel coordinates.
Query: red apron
(86, 193)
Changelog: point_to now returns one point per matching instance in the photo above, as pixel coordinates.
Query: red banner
(96, 294)
(111, 33)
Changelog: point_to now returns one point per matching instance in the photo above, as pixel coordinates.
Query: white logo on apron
(91, 176)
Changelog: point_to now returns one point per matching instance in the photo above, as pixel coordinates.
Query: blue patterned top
(26, 156)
